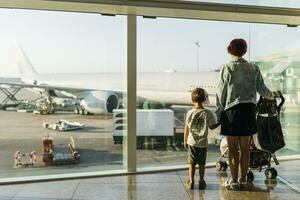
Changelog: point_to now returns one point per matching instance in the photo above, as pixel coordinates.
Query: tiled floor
(159, 186)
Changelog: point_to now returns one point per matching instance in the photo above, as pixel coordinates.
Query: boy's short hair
(198, 95)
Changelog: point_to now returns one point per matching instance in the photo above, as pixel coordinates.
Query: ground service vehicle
(64, 125)
(155, 127)
(59, 154)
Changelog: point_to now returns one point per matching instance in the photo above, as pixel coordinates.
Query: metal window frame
(59, 177)
(131, 93)
(167, 8)
(154, 8)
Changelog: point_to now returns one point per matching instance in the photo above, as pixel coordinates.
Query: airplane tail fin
(24, 65)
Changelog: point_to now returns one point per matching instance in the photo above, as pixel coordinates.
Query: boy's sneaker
(202, 185)
(189, 184)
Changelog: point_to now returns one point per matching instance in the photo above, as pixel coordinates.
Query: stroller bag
(270, 136)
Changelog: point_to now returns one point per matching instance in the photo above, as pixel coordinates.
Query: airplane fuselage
(165, 87)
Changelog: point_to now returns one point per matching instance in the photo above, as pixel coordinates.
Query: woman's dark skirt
(239, 120)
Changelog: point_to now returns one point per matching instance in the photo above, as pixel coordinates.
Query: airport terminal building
(94, 96)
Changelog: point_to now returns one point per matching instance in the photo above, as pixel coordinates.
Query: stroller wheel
(224, 165)
(218, 165)
(221, 165)
(250, 176)
(271, 173)
(271, 183)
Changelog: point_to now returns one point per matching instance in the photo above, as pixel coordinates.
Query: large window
(177, 55)
(73, 67)
(78, 64)
(276, 50)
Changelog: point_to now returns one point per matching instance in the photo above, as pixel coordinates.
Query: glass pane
(270, 3)
(71, 62)
(175, 56)
(276, 50)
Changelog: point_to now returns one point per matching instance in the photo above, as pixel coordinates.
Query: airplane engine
(98, 102)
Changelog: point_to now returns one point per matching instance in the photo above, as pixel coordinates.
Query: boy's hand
(185, 145)
(214, 126)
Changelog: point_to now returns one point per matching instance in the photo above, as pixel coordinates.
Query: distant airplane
(101, 93)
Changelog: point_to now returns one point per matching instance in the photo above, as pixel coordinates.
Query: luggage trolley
(259, 158)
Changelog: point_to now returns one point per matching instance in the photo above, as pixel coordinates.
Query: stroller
(264, 144)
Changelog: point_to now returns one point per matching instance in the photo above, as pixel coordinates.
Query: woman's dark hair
(237, 47)
(198, 95)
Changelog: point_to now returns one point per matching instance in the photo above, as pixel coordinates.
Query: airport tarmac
(23, 132)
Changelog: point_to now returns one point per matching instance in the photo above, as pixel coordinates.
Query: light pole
(249, 40)
(197, 43)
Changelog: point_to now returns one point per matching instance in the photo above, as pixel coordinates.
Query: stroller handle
(278, 107)
(281, 102)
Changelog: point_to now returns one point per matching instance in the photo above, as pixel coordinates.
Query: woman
(236, 101)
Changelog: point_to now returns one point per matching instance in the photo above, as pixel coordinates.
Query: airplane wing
(68, 91)
(41, 86)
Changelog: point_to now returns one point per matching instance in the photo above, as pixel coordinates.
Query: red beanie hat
(237, 47)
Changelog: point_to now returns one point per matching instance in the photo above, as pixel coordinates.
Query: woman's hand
(186, 134)
(277, 93)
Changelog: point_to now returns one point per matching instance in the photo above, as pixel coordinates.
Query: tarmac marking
(289, 184)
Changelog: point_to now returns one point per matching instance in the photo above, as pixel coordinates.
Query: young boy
(197, 122)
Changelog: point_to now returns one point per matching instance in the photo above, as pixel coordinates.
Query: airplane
(102, 92)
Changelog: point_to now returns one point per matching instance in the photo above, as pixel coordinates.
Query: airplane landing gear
(81, 111)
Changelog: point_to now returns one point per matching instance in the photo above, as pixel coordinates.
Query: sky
(64, 42)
